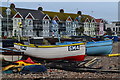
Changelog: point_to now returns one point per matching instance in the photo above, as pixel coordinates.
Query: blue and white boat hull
(99, 47)
(95, 48)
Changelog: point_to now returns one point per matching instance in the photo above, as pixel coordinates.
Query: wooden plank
(90, 62)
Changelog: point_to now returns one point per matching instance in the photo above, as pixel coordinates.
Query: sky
(105, 9)
(61, 0)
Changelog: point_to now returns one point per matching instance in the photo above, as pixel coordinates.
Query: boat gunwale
(48, 46)
(98, 46)
(89, 45)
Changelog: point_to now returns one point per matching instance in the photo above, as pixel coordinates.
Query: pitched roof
(93, 20)
(87, 20)
(61, 16)
(35, 13)
(99, 20)
(24, 12)
(3, 12)
(84, 17)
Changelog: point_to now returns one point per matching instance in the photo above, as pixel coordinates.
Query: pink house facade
(100, 26)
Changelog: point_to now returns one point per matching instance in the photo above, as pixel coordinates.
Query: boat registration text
(73, 48)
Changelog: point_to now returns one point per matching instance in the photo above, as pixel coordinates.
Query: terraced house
(100, 26)
(36, 23)
(115, 27)
(89, 25)
(63, 23)
(39, 23)
(6, 21)
(92, 26)
(29, 19)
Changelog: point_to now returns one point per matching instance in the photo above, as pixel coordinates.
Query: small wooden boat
(75, 52)
(99, 47)
(8, 54)
(114, 38)
(95, 47)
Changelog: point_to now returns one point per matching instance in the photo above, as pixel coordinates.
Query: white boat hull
(10, 57)
(68, 52)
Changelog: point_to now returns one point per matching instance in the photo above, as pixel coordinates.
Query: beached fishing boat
(8, 54)
(75, 52)
(99, 47)
(95, 47)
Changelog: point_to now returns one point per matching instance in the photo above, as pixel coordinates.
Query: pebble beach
(105, 62)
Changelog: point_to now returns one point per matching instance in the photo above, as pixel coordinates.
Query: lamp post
(19, 30)
(8, 13)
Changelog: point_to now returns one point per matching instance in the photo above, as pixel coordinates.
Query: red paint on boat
(72, 58)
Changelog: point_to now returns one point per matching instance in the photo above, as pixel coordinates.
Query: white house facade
(17, 18)
(28, 25)
(1, 25)
(94, 27)
(115, 27)
(46, 26)
(37, 23)
(87, 27)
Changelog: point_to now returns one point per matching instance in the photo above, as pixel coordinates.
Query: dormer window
(18, 20)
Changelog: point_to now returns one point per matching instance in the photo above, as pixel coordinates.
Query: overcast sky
(107, 9)
(61, 0)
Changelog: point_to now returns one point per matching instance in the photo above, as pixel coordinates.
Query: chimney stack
(12, 5)
(61, 10)
(40, 8)
(79, 12)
